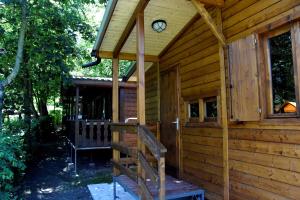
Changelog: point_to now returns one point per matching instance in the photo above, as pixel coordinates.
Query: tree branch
(19, 56)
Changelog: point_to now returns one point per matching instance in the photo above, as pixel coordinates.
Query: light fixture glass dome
(159, 25)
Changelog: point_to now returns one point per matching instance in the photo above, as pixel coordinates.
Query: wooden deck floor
(174, 188)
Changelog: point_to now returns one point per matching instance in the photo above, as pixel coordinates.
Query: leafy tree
(51, 50)
(19, 56)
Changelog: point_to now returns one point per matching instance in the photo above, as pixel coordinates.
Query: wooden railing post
(115, 109)
(76, 118)
(162, 178)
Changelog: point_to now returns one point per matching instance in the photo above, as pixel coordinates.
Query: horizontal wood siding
(151, 90)
(196, 52)
(202, 159)
(263, 156)
(128, 105)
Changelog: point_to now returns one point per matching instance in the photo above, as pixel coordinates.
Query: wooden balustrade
(89, 133)
(155, 174)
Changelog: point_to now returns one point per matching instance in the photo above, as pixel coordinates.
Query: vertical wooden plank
(201, 110)
(105, 132)
(223, 105)
(296, 59)
(83, 137)
(244, 80)
(115, 109)
(158, 92)
(140, 86)
(140, 68)
(98, 134)
(162, 180)
(76, 117)
(91, 133)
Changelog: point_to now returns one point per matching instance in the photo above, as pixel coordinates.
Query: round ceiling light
(159, 25)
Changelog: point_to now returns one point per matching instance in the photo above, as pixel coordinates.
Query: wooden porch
(147, 156)
(247, 140)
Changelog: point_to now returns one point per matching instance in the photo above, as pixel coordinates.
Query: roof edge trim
(104, 24)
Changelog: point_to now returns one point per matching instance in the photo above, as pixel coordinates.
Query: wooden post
(115, 109)
(223, 111)
(76, 117)
(140, 86)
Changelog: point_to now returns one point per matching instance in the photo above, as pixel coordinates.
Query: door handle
(177, 123)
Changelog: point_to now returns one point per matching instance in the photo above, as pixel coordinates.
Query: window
(210, 109)
(194, 110)
(281, 72)
(203, 110)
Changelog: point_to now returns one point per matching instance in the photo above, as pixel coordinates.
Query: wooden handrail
(158, 150)
(125, 149)
(148, 138)
(150, 171)
(124, 170)
(124, 127)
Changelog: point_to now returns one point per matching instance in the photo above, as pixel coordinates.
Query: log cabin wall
(196, 51)
(127, 103)
(151, 92)
(264, 157)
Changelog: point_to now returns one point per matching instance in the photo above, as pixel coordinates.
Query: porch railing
(148, 148)
(89, 133)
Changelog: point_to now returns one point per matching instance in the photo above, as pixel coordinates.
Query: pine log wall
(151, 92)
(264, 157)
(128, 106)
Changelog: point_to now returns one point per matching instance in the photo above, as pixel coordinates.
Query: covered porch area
(144, 31)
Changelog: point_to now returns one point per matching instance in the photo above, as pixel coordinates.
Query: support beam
(224, 121)
(115, 109)
(140, 63)
(130, 25)
(209, 21)
(127, 56)
(218, 3)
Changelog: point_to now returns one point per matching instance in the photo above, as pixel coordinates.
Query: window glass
(211, 108)
(282, 73)
(194, 110)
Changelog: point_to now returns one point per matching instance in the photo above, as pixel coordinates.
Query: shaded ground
(47, 177)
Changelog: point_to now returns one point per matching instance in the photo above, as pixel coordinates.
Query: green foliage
(104, 69)
(56, 116)
(12, 157)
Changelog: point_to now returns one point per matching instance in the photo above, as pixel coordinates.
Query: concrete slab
(104, 191)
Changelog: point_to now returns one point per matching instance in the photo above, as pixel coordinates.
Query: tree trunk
(19, 57)
(26, 100)
(1, 104)
(43, 110)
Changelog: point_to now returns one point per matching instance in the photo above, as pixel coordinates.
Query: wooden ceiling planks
(129, 27)
(177, 13)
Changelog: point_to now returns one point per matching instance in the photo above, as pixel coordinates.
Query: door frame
(175, 67)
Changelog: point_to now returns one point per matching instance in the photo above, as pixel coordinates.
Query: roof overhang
(117, 33)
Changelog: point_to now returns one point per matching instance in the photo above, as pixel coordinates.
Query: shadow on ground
(47, 176)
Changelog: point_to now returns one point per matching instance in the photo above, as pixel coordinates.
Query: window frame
(267, 92)
(202, 119)
(210, 99)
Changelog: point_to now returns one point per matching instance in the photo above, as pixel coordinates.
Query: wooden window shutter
(244, 86)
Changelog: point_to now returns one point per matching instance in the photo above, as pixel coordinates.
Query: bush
(56, 116)
(12, 157)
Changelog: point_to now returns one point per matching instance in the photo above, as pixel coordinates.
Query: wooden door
(169, 112)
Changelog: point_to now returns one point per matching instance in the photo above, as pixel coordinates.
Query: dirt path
(48, 179)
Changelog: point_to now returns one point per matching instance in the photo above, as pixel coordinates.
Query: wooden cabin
(220, 69)
(88, 111)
